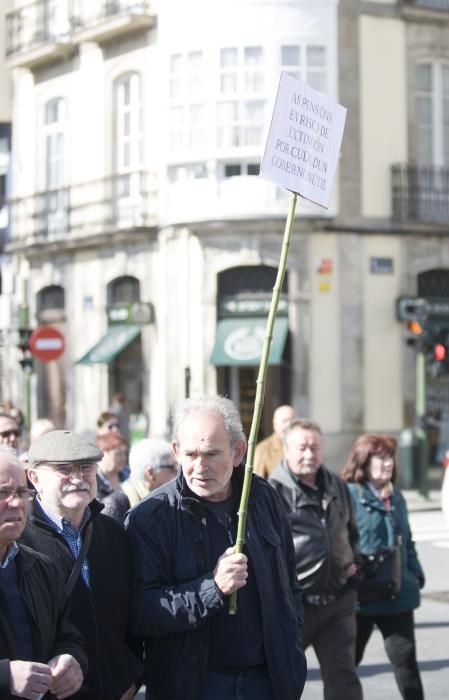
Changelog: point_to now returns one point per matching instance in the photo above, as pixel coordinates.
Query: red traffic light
(439, 352)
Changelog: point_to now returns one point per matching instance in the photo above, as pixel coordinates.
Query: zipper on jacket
(324, 506)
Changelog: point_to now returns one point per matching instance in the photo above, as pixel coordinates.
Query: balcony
(102, 21)
(38, 33)
(425, 10)
(420, 194)
(49, 30)
(93, 209)
(428, 4)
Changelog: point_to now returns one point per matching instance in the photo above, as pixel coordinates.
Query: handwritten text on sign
(304, 141)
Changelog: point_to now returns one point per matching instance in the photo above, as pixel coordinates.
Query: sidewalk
(417, 502)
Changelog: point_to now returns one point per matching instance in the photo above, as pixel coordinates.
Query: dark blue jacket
(377, 529)
(174, 596)
(101, 612)
(43, 592)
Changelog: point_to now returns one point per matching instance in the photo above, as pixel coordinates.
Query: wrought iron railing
(420, 193)
(35, 24)
(45, 21)
(431, 4)
(121, 201)
(85, 14)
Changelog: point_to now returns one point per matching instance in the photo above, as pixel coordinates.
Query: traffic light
(417, 337)
(439, 353)
(23, 343)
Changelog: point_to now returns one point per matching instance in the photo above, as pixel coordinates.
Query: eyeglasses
(67, 470)
(8, 433)
(167, 466)
(23, 493)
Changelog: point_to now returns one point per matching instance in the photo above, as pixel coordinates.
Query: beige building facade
(140, 227)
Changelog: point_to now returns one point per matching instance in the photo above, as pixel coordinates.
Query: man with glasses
(67, 524)
(40, 650)
(9, 431)
(152, 463)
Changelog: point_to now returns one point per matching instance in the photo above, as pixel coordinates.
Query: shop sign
(250, 307)
(136, 313)
(245, 344)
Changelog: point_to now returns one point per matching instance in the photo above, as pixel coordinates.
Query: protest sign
(304, 140)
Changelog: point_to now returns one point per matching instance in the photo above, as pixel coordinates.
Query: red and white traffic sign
(47, 343)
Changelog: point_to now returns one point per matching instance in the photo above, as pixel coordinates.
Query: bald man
(270, 451)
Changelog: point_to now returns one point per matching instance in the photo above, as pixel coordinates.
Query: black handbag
(381, 575)
(381, 572)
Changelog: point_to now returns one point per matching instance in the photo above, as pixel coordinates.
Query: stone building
(140, 228)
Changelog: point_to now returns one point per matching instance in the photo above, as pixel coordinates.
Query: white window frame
(55, 154)
(187, 103)
(304, 69)
(128, 145)
(439, 103)
(241, 89)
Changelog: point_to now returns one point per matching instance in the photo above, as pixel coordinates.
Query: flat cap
(63, 446)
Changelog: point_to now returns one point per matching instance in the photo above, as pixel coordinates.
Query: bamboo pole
(260, 390)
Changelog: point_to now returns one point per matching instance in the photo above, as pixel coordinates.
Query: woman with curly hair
(382, 519)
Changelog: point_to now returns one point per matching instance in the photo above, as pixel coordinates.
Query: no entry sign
(47, 343)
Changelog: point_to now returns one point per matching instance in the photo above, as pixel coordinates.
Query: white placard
(304, 141)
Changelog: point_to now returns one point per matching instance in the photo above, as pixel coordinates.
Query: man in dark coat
(185, 567)
(40, 651)
(325, 536)
(63, 470)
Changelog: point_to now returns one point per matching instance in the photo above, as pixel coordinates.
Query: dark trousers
(252, 685)
(331, 630)
(398, 632)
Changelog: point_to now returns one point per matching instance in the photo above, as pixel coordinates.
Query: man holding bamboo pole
(184, 568)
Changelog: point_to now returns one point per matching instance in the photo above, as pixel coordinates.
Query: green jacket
(377, 529)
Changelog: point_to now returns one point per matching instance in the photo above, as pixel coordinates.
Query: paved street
(432, 622)
(432, 619)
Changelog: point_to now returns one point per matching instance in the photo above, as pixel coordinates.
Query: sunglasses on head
(8, 433)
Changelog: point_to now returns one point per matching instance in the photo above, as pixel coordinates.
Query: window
(128, 148)
(54, 205)
(187, 102)
(52, 297)
(240, 107)
(123, 290)
(128, 127)
(57, 18)
(55, 136)
(191, 171)
(236, 169)
(432, 113)
(307, 63)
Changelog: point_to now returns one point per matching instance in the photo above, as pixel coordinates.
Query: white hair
(12, 454)
(40, 427)
(149, 452)
(214, 404)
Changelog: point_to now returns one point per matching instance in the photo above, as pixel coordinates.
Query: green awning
(111, 344)
(239, 341)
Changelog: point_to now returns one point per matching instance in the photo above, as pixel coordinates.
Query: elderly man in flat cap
(91, 550)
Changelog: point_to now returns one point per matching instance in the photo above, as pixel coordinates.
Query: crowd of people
(117, 564)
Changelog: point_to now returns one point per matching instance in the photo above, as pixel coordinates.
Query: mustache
(69, 488)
